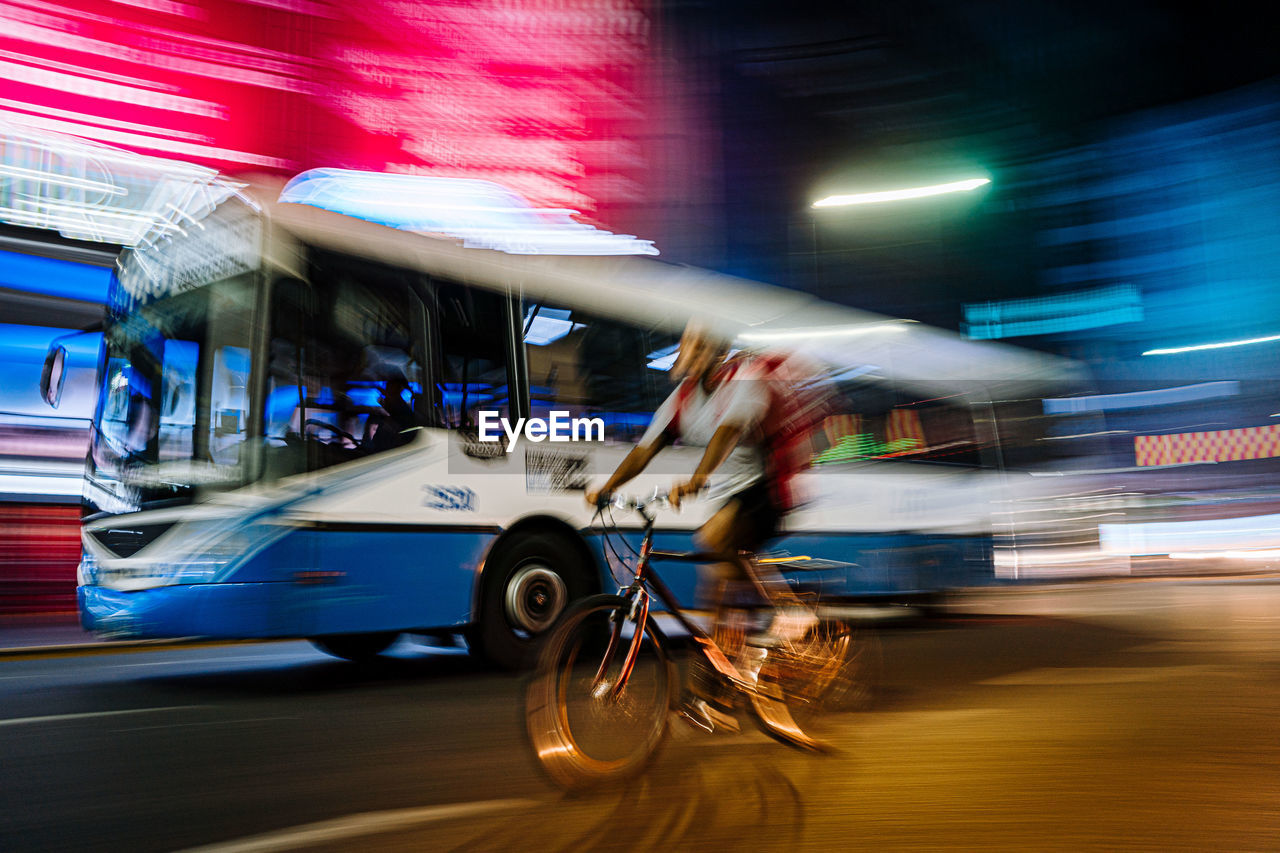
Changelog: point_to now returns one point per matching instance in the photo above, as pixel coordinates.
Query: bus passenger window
(228, 404)
(473, 341)
(589, 366)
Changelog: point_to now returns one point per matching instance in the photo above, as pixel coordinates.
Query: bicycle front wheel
(588, 719)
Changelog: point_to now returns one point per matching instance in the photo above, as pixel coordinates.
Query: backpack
(800, 398)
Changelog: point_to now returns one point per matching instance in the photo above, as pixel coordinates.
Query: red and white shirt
(693, 416)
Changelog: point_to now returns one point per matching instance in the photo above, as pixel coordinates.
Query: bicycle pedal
(709, 718)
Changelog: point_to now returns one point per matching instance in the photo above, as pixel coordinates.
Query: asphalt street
(1139, 716)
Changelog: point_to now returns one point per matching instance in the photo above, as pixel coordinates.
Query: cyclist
(711, 408)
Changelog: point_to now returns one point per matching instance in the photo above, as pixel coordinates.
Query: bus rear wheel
(527, 584)
(355, 647)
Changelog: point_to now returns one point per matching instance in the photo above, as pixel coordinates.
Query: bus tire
(527, 583)
(355, 647)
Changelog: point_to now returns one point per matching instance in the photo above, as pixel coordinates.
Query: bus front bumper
(225, 610)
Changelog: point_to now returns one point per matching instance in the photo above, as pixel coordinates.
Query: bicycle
(598, 706)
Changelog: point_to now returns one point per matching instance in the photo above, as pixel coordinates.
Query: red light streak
(539, 95)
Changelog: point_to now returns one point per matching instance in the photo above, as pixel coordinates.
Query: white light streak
(1246, 342)
(900, 195)
(83, 228)
(79, 71)
(76, 85)
(89, 191)
(823, 332)
(97, 210)
(54, 112)
(1085, 435)
(1270, 554)
(17, 484)
(207, 152)
(228, 65)
(1178, 537)
(47, 177)
(1063, 558)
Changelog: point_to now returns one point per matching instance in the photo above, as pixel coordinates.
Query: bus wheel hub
(535, 597)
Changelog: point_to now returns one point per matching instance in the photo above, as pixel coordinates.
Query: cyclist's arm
(722, 444)
(634, 463)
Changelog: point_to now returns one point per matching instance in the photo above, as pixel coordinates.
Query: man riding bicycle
(717, 407)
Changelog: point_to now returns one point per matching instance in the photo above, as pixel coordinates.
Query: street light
(899, 195)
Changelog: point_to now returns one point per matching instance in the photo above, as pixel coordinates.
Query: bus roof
(661, 294)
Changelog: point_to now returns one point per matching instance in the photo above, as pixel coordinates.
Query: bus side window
(939, 429)
(591, 366)
(474, 372)
(855, 429)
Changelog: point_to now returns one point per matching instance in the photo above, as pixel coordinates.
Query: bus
(287, 440)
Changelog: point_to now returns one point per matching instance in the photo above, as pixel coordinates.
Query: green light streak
(864, 446)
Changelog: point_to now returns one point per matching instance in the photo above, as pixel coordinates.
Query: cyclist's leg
(756, 521)
(712, 696)
(718, 535)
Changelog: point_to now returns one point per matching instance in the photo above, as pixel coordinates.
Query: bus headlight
(197, 552)
(212, 550)
(87, 570)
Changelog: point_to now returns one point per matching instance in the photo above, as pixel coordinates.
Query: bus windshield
(173, 411)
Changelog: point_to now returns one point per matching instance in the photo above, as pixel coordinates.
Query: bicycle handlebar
(632, 502)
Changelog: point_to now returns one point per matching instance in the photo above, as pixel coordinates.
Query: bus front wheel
(527, 584)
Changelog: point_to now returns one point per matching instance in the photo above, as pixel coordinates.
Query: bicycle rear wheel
(854, 684)
(583, 726)
(802, 683)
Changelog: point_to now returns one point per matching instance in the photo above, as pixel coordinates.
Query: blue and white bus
(286, 440)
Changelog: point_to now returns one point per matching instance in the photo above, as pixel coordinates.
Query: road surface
(1140, 716)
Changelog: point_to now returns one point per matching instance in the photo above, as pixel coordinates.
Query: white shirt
(739, 402)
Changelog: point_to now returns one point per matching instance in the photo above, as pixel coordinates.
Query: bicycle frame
(637, 592)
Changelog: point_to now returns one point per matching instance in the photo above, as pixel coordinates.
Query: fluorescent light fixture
(547, 326)
(1175, 350)
(664, 358)
(900, 195)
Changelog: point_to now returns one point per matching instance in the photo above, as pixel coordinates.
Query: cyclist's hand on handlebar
(597, 498)
(690, 488)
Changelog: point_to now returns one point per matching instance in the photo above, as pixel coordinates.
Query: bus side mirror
(53, 375)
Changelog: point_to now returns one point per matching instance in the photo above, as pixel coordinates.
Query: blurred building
(49, 287)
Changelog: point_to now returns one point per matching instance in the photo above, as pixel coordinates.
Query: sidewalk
(59, 633)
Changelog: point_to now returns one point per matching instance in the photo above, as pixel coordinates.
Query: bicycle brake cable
(609, 544)
(628, 545)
